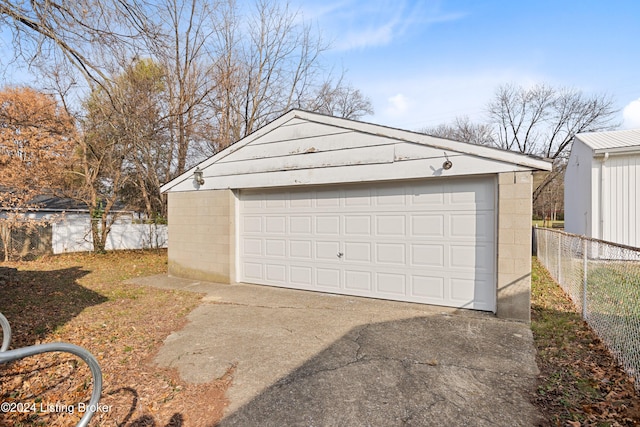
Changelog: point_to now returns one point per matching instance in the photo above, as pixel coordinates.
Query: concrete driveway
(312, 359)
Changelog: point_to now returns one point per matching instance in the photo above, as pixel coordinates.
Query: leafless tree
(463, 129)
(340, 100)
(185, 54)
(226, 70)
(543, 120)
(73, 31)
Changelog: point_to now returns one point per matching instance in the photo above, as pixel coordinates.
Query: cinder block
(506, 236)
(522, 191)
(507, 192)
(506, 266)
(524, 177)
(506, 178)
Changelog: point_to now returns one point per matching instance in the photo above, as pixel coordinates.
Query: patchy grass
(580, 382)
(547, 223)
(81, 299)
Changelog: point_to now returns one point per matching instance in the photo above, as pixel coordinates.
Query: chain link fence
(603, 280)
(25, 242)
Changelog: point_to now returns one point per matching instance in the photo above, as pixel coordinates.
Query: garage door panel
(275, 224)
(463, 257)
(357, 252)
(428, 194)
(327, 199)
(252, 224)
(462, 290)
(391, 284)
(357, 225)
(252, 247)
(253, 271)
(390, 196)
(471, 195)
(328, 278)
(471, 293)
(463, 225)
(358, 280)
(391, 253)
(427, 288)
(300, 199)
(391, 226)
(327, 250)
(302, 249)
(427, 255)
(301, 276)
(301, 224)
(276, 273)
(276, 248)
(328, 225)
(429, 242)
(275, 201)
(357, 197)
(427, 225)
(477, 258)
(486, 227)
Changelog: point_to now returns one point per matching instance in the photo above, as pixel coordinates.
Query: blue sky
(423, 63)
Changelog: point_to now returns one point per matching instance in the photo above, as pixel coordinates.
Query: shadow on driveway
(313, 359)
(436, 370)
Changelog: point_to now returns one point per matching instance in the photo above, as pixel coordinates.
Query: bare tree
(98, 173)
(340, 100)
(49, 31)
(463, 129)
(543, 120)
(185, 54)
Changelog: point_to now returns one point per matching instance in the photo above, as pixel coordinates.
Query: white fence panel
(76, 236)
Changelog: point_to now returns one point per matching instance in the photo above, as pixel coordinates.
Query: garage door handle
(340, 254)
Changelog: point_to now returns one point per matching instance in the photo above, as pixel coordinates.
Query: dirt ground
(81, 299)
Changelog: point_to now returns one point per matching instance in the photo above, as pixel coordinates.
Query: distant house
(72, 211)
(67, 228)
(602, 186)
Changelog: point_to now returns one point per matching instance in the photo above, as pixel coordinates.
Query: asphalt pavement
(313, 359)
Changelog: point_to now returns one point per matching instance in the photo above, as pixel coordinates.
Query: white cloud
(358, 24)
(368, 37)
(631, 115)
(397, 105)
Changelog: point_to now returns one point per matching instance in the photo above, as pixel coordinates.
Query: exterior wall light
(197, 176)
(447, 163)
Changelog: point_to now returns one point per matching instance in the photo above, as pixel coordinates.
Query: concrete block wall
(514, 245)
(202, 235)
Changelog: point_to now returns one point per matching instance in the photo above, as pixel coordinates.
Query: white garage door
(429, 242)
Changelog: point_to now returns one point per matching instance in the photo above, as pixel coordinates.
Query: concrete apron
(312, 359)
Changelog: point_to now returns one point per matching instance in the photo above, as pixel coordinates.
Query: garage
(326, 204)
(426, 242)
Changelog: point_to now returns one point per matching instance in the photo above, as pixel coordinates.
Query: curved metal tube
(6, 333)
(20, 353)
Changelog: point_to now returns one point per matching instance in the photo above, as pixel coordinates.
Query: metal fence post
(559, 258)
(584, 279)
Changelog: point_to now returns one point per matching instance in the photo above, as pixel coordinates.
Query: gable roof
(303, 148)
(613, 141)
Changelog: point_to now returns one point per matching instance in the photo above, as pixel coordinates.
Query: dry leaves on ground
(580, 382)
(81, 299)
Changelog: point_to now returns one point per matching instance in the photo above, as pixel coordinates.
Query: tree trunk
(98, 235)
